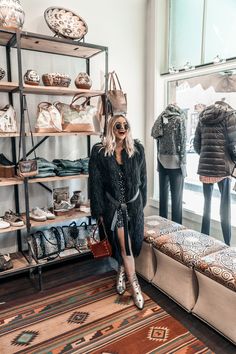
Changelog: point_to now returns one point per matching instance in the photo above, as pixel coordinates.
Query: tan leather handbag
(117, 99)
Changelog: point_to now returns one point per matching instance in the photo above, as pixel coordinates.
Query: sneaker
(63, 206)
(38, 214)
(48, 214)
(4, 224)
(13, 219)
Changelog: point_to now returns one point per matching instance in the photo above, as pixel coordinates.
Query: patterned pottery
(31, 78)
(2, 73)
(65, 23)
(83, 81)
(11, 14)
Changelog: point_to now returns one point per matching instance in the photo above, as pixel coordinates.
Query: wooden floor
(20, 288)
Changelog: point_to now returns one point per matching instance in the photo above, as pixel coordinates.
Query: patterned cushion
(188, 246)
(220, 266)
(155, 226)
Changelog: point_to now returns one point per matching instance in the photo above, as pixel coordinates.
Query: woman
(117, 171)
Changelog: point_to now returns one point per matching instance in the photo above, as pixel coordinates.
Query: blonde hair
(109, 142)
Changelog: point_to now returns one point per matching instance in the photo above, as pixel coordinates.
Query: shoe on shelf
(4, 224)
(63, 206)
(13, 219)
(49, 215)
(38, 214)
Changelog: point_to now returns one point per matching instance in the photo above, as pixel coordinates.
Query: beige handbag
(77, 117)
(8, 120)
(48, 118)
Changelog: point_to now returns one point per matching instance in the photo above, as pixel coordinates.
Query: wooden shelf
(57, 90)
(9, 135)
(8, 86)
(20, 263)
(64, 133)
(56, 178)
(72, 215)
(12, 229)
(66, 254)
(10, 181)
(49, 44)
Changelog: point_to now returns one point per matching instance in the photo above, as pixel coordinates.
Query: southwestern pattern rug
(92, 318)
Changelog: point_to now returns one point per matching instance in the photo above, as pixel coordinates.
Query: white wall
(119, 25)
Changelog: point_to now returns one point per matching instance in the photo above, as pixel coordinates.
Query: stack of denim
(45, 168)
(85, 163)
(67, 167)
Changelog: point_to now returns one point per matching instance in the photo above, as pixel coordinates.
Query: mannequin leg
(163, 191)
(129, 267)
(176, 190)
(225, 208)
(206, 219)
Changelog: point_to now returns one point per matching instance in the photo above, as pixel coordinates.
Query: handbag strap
(113, 79)
(21, 128)
(85, 95)
(99, 223)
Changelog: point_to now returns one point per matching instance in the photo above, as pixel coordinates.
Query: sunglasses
(120, 126)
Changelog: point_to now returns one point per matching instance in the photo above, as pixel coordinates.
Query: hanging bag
(26, 168)
(102, 248)
(117, 99)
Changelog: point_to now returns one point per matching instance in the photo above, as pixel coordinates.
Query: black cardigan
(103, 177)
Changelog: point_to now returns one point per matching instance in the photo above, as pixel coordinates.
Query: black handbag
(48, 243)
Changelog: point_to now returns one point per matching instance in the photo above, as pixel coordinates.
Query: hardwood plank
(65, 134)
(56, 178)
(8, 86)
(10, 181)
(8, 135)
(71, 215)
(57, 46)
(57, 90)
(12, 229)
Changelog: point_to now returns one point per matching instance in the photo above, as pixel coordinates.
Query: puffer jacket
(215, 140)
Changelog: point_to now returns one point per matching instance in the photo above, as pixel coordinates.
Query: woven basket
(56, 79)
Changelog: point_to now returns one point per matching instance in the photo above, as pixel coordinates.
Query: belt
(123, 207)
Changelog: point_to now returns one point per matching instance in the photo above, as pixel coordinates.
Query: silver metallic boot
(120, 280)
(136, 293)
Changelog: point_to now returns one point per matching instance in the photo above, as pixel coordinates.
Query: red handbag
(100, 249)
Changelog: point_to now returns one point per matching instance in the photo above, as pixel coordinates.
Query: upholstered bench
(154, 226)
(176, 255)
(216, 303)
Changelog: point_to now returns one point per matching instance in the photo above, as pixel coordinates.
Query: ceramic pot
(83, 81)
(11, 14)
(2, 73)
(31, 78)
(76, 199)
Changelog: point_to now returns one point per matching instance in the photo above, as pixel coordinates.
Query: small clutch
(27, 168)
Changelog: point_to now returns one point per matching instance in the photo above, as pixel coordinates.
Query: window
(193, 95)
(200, 30)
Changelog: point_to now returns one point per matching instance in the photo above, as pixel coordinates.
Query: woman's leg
(129, 266)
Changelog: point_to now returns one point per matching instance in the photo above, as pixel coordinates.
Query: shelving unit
(19, 40)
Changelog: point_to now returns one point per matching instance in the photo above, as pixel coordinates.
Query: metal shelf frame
(19, 41)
